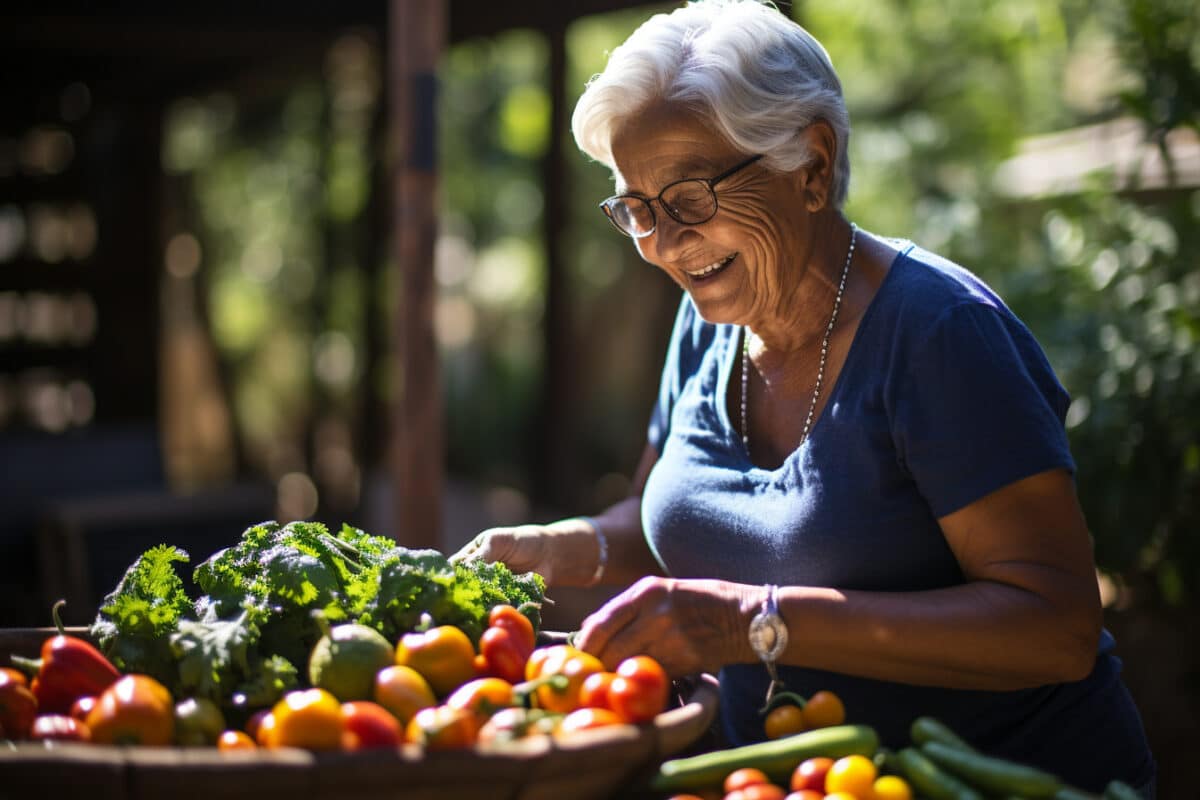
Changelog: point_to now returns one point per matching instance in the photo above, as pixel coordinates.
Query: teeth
(716, 265)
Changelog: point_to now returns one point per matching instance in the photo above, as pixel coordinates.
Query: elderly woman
(856, 446)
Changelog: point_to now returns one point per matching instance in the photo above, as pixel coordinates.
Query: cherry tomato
(264, 731)
(443, 728)
(307, 718)
(18, 707)
(15, 675)
(582, 719)
(784, 720)
(368, 725)
(483, 697)
(232, 740)
(810, 774)
(854, 775)
(576, 666)
(508, 724)
(506, 617)
(805, 794)
(758, 791)
(60, 728)
(746, 776)
(823, 710)
(593, 693)
(403, 691)
(892, 787)
(82, 707)
(135, 710)
(640, 690)
(443, 655)
(504, 653)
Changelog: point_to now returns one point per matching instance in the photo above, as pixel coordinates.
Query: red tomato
(368, 725)
(594, 691)
(510, 619)
(746, 776)
(504, 653)
(810, 774)
(640, 690)
(59, 727)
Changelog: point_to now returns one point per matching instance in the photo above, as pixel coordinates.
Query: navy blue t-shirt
(944, 397)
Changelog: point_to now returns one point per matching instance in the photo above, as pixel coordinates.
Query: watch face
(768, 636)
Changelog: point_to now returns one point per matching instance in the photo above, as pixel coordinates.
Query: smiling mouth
(713, 268)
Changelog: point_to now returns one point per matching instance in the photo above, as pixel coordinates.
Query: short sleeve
(979, 408)
(674, 374)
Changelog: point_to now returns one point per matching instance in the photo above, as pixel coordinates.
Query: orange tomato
(575, 665)
(307, 718)
(746, 776)
(15, 675)
(443, 728)
(640, 690)
(582, 719)
(533, 665)
(232, 740)
(784, 720)
(824, 709)
(443, 655)
(264, 731)
(758, 791)
(483, 697)
(135, 710)
(403, 691)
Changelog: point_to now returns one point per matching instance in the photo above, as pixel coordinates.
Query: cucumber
(928, 729)
(1117, 790)
(995, 775)
(778, 758)
(930, 780)
(1071, 793)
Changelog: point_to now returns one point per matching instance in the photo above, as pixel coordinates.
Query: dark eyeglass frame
(710, 183)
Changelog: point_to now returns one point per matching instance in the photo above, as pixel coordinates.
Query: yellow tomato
(403, 691)
(891, 787)
(308, 718)
(443, 655)
(854, 775)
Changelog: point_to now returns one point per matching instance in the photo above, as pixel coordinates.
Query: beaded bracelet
(602, 543)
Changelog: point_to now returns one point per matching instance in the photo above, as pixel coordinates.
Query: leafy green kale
(247, 639)
(145, 607)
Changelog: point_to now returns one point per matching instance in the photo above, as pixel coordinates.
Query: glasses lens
(690, 202)
(631, 214)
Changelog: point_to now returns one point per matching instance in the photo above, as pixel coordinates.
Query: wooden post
(417, 34)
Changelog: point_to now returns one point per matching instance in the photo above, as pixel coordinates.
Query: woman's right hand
(565, 552)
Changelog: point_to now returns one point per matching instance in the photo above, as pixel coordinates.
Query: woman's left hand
(688, 626)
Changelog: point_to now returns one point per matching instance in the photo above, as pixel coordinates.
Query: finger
(601, 630)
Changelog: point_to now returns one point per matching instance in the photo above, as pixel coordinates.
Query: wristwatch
(769, 635)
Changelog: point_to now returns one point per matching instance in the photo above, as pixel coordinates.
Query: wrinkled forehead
(664, 143)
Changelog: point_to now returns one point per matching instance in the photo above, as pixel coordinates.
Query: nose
(668, 241)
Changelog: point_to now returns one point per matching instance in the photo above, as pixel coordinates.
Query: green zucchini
(928, 729)
(995, 775)
(778, 758)
(930, 780)
(1117, 790)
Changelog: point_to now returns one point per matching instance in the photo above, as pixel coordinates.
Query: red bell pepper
(70, 668)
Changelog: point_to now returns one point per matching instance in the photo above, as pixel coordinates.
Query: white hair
(758, 77)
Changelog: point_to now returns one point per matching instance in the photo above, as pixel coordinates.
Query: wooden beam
(416, 38)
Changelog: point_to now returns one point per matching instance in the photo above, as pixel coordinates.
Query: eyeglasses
(690, 201)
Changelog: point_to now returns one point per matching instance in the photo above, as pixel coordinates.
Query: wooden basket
(598, 763)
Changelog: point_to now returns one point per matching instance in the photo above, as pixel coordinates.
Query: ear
(816, 177)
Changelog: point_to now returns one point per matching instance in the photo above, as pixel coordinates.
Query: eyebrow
(695, 168)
